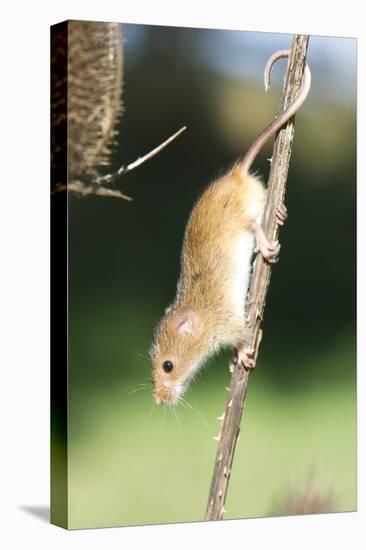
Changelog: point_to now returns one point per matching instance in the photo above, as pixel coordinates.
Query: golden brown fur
(205, 314)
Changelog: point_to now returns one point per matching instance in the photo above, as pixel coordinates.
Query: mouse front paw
(245, 356)
(270, 251)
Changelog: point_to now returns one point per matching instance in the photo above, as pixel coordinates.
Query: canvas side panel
(59, 277)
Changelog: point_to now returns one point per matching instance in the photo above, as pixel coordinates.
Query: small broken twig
(109, 178)
(96, 185)
(258, 288)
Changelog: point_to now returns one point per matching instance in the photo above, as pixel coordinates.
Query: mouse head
(176, 354)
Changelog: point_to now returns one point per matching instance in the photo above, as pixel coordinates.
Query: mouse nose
(164, 394)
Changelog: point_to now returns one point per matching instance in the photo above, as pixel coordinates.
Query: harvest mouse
(222, 231)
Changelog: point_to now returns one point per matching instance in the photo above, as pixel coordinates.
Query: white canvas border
(24, 275)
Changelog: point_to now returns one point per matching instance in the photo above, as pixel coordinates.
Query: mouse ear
(185, 321)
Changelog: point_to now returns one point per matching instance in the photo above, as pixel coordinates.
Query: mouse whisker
(147, 419)
(140, 354)
(177, 418)
(139, 388)
(196, 412)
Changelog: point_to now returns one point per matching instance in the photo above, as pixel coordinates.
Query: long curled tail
(272, 128)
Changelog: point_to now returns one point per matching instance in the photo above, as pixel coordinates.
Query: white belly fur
(241, 254)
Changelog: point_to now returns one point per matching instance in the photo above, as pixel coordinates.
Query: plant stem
(258, 287)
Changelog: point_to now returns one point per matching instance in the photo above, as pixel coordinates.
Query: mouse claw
(281, 214)
(245, 356)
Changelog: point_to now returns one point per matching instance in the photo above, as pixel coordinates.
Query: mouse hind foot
(245, 356)
(268, 249)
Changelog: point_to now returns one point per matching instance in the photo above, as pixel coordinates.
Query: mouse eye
(168, 366)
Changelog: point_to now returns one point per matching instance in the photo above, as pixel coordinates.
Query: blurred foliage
(130, 461)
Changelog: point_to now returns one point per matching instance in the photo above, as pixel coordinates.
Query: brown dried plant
(87, 97)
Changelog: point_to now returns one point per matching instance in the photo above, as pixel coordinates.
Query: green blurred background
(131, 461)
